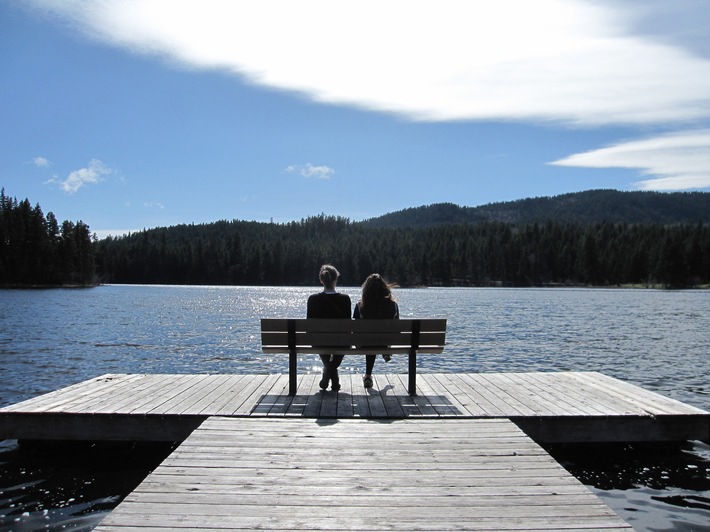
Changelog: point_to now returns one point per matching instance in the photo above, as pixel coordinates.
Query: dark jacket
(329, 305)
(388, 310)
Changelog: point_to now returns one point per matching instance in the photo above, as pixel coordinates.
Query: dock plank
(222, 404)
(612, 404)
(360, 404)
(453, 478)
(442, 387)
(314, 396)
(649, 402)
(375, 400)
(499, 384)
(114, 397)
(391, 390)
(277, 402)
(202, 387)
(252, 392)
(74, 398)
(219, 385)
(132, 397)
(429, 402)
(150, 392)
(171, 402)
(412, 405)
(299, 401)
(542, 399)
(475, 388)
(344, 403)
(566, 394)
(48, 400)
(265, 397)
(329, 408)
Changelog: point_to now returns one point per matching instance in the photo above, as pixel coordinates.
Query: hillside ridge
(588, 207)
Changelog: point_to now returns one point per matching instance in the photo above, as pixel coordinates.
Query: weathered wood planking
(300, 474)
(551, 407)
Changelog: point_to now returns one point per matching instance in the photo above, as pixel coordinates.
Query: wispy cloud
(674, 161)
(311, 171)
(153, 205)
(78, 179)
(589, 63)
(571, 61)
(41, 162)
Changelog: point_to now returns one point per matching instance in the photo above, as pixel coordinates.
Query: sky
(134, 114)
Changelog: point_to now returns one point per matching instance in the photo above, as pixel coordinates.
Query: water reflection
(69, 486)
(652, 487)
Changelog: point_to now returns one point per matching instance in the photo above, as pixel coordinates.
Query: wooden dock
(460, 455)
(550, 407)
(273, 474)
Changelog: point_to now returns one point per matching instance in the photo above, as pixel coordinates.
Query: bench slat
(281, 350)
(269, 339)
(364, 326)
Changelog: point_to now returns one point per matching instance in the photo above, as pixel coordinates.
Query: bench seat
(352, 337)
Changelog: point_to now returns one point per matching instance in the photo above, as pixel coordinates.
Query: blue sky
(132, 114)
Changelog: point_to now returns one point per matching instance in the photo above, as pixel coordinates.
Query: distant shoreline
(652, 286)
(46, 286)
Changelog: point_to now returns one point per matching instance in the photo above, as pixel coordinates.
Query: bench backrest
(383, 336)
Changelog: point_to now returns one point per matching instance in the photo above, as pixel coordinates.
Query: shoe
(324, 381)
(387, 357)
(367, 381)
(335, 378)
(336, 385)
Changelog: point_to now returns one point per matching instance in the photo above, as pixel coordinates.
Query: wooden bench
(352, 337)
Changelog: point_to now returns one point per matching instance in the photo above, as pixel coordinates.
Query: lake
(49, 339)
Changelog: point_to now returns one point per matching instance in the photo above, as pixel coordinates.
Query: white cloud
(41, 162)
(90, 175)
(677, 161)
(153, 205)
(311, 171)
(573, 61)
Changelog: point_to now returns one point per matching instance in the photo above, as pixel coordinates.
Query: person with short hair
(329, 304)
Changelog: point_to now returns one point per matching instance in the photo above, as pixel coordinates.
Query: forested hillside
(429, 246)
(590, 207)
(36, 251)
(482, 254)
(600, 238)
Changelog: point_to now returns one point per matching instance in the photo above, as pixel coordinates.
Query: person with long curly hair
(376, 303)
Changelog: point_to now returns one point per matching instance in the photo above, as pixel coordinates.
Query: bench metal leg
(292, 372)
(416, 329)
(292, 357)
(413, 373)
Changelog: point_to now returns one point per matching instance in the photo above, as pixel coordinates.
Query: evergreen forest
(581, 208)
(36, 250)
(482, 254)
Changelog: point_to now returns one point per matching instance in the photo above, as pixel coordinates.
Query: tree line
(35, 250)
(480, 254)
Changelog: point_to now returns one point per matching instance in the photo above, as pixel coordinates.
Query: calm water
(657, 339)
